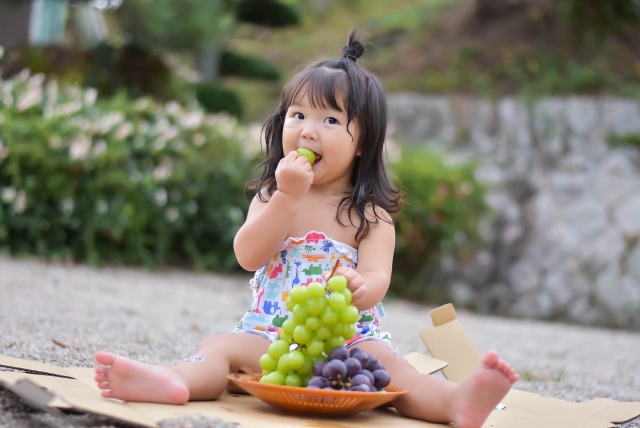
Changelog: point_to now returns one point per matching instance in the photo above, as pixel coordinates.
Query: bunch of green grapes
(323, 318)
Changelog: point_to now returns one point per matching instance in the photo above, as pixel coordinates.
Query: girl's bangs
(323, 87)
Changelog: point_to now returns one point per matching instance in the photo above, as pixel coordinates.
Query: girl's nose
(309, 133)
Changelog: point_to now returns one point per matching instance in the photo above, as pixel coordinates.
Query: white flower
(191, 120)
(124, 131)
(162, 124)
(160, 143)
(101, 207)
(107, 122)
(143, 127)
(80, 148)
(172, 107)
(135, 176)
(22, 76)
(67, 205)
(161, 172)
(172, 214)
(20, 203)
(32, 97)
(90, 96)
(67, 109)
(8, 194)
(161, 197)
(142, 104)
(170, 132)
(199, 139)
(99, 147)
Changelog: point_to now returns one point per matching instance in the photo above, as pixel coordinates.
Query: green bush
(250, 67)
(268, 13)
(443, 205)
(215, 98)
(118, 180)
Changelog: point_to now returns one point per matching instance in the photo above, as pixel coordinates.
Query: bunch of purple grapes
(346, 370)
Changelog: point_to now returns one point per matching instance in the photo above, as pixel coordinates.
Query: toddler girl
(306, 217)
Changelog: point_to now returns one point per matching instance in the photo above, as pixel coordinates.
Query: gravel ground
(63, 314)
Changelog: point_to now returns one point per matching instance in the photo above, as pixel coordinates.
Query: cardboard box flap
(447, 340)
(592, 407)
(424, 364)
(506, 418)
(84, 375)
(33, 367)
(511, 418)
(35, 395)
(538, 405)
(249, 411)
(559, 421)
(619, 412)
(79, 397)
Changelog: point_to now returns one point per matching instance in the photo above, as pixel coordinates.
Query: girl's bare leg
(435, 399)
(128, 380)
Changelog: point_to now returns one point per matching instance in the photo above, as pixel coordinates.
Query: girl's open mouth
(318, 158)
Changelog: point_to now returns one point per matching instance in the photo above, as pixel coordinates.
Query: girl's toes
(490, 359)
(105, 358)
(102, 370)
(103, 385)
(107, 394)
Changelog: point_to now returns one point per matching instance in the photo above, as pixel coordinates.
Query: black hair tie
(349, 53)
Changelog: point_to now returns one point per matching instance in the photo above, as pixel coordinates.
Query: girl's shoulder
(374, 213)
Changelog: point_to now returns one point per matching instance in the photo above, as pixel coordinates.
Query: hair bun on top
(354, 47)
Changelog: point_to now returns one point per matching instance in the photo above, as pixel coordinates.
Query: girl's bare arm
(267, 224)
(264, 231)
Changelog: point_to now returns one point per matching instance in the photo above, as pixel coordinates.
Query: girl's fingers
(291, 157)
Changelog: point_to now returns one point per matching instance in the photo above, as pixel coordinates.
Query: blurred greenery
(118, 180)
(629, 140)
(529, 47)
(443, 207)
(214, 97)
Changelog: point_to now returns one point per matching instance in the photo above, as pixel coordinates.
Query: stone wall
(564, 243)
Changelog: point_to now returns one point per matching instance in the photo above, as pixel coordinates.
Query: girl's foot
(129, 380)
(479, 395)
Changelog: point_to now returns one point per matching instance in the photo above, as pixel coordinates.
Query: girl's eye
(331, 120)
(298, 116)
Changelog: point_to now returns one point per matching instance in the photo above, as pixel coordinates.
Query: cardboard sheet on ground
(457, 356)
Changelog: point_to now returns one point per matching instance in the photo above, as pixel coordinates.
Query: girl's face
(323, 131)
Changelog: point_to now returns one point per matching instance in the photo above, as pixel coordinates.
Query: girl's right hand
(294, 175)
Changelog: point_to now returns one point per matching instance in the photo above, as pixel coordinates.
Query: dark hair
(362, 95)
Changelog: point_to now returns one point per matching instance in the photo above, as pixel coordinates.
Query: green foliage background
(120, 181)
